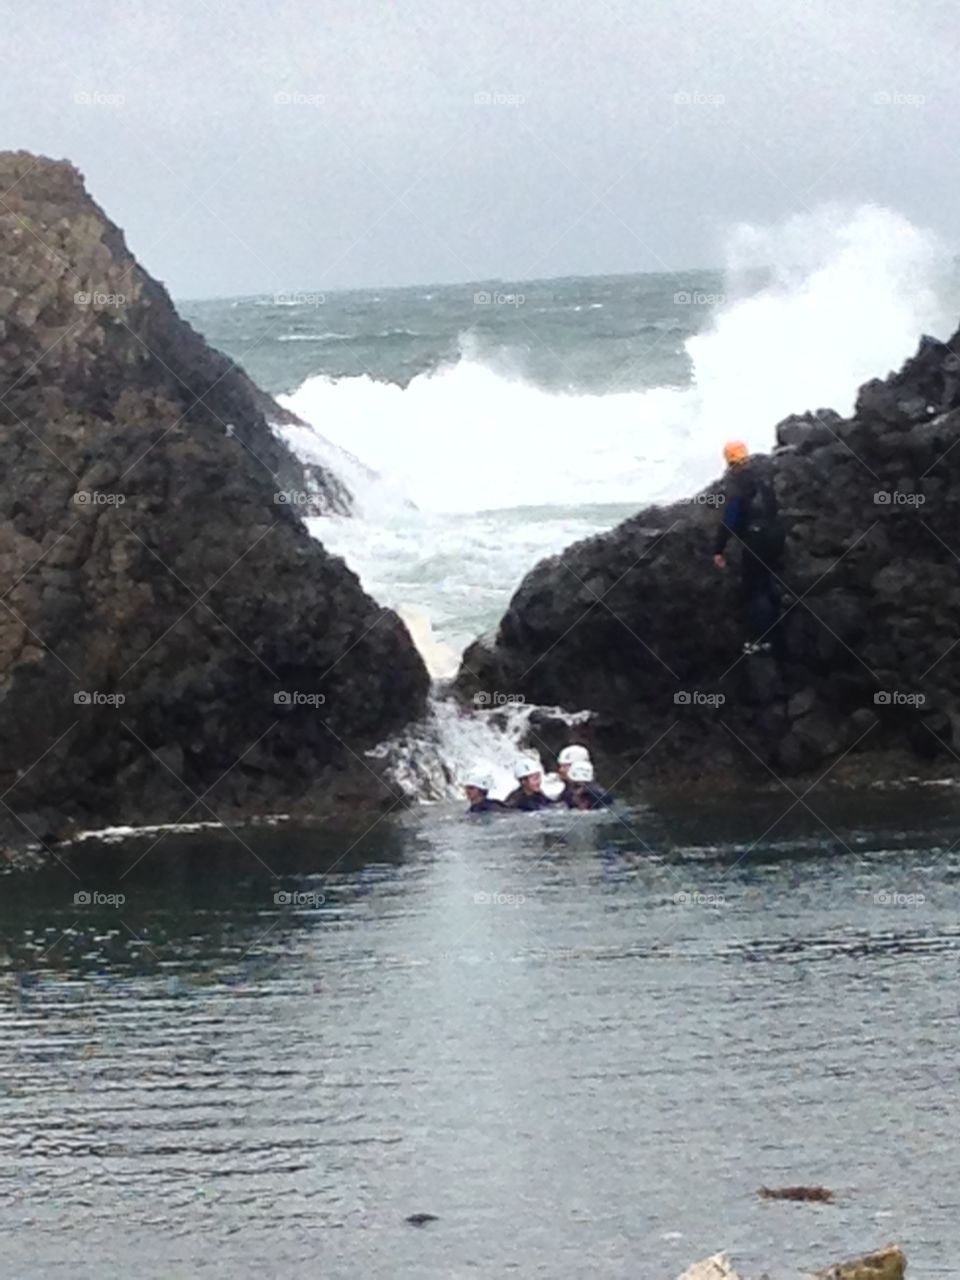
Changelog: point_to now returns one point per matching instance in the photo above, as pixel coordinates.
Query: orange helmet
(735, 451)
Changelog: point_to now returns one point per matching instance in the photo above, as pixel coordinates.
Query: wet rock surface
(168, 631)
(639, 626)
(888, 1263)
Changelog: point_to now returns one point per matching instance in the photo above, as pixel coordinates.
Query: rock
(802, 703)
(421, 1219)
(871, 594)
(888, 1263)
(878, 400)
(816, 1193)
(164, 613)
(808, 431)
(716, 1267)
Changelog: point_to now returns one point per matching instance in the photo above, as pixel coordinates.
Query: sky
(259, 146)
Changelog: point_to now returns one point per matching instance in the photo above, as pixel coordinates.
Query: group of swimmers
(571, 786)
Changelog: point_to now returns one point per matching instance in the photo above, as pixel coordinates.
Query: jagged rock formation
(639, 626)
(167, 626)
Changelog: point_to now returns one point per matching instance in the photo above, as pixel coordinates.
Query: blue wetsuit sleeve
(728, 525)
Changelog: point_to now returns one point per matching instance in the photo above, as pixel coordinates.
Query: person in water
(750, 516)
(529, 795)
(581, 792)
(477, 787)
(574, 754)
(554, 783)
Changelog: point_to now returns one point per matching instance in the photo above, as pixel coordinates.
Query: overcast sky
(260, 145)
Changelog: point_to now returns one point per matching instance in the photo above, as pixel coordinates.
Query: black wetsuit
(591, 797)
(486, 805)
(751, 516)
(528, 801)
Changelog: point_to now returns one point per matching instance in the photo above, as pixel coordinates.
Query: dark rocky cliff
(168, 629)
(640, 627)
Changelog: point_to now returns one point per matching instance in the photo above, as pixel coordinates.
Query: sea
(581, 1042)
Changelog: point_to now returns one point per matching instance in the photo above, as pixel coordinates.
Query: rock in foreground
(717, 1267)
(638, 625)
(889, 1263)
(169, 631)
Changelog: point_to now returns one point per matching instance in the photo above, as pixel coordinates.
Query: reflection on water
(582, 1042)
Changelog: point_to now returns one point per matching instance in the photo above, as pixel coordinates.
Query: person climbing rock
(581, 792)
(750, 516)
(529, 794)
(477, 786)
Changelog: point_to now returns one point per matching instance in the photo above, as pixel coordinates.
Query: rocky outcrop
(168, 629)
(640, 627)
(889, 1263)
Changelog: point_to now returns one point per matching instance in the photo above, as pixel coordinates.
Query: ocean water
(581, 1041)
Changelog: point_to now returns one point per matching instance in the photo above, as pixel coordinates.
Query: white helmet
(581, 771)
(574, 755)
(478, 778)
(525, 766)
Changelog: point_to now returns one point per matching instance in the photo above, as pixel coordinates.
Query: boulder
(889, 1263)
(716, 1267)
(165, 614)
(807, 431)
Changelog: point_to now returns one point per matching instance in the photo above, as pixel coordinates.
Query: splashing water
(504, 471)
(429, 760)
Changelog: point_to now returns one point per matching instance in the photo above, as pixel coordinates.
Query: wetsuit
(528, 802)
(750, 515)
(486, 805)
(590, 797)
